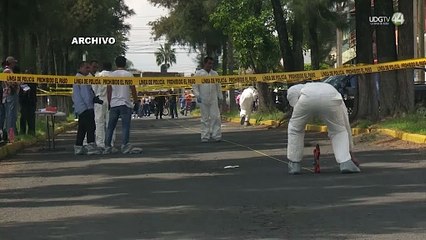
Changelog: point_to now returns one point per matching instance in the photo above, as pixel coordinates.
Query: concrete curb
(13, 148)
(253, 121)
(409, 137)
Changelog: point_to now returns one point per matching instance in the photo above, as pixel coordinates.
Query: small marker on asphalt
(231, 166)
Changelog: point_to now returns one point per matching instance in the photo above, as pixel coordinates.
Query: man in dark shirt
(159, 105)
(173, 104)
(28, 103)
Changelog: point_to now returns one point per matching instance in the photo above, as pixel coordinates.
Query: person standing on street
(101, 109)
(28, 104)
(82, 96)
(208, 96)
(159, 101)
(173, 104)
(11, 99)
(121, 106)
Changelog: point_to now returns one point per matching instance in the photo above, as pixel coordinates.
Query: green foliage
(363, 123)
(41, 128)
(274, 115)
(231, 114)
(251, 33)
(188, 24)
(46, 32)
(413, 123)
(308, 66)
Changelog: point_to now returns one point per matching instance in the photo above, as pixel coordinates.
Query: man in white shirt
(121, 106)
(208, 96)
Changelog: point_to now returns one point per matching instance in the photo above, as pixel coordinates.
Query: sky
(141, 45)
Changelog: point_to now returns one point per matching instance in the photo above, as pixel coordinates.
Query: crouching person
(246, 100)
(324, 101)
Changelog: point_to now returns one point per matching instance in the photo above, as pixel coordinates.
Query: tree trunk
(55, 62)
(230, 56)
(281, 27)
(386, 52)
(313, 41)
(299, 64)
(406, 51)
(368, 103)
(225, 58)
(15, 43)
(5, 28)
(36, 43)
(66, 61)
(265, 97)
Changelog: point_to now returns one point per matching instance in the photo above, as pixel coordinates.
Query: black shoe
(242, 120)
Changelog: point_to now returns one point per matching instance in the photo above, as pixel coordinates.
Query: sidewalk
(13, 148)
(410, 137)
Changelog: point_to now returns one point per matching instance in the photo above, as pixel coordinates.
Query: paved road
(178, 189)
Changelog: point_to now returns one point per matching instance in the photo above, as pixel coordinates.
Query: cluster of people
(307, 100)
(187, 103)
(99, 107)
(157, 106)
(14, 95)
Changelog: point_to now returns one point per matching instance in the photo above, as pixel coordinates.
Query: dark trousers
(173, 110)
(2, 121)
(86, 125)
(159, 110)
(27, 118)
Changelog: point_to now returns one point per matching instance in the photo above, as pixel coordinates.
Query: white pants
(246, 107)
(101, 121)
(210, 121)
(333, 113)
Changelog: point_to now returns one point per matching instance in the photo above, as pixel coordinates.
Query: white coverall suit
(101, 110)
(323, 100)
(209, 94)
(247, 98)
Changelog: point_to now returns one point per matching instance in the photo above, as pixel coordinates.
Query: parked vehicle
(347, 85)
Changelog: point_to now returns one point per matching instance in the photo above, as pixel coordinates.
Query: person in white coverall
(247, 99)
(207, 97)
(101, 110)
(323, 100)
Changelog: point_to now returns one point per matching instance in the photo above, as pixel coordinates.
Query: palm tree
(165, 56)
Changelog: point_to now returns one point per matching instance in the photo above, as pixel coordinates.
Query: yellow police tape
(286, 77)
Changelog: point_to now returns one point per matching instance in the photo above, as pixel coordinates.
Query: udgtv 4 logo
(93, 41)
(397, 19)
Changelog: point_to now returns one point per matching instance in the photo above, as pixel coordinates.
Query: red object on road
(317, 154)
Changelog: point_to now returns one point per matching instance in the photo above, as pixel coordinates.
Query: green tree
(249, 23)
(165, 56)
(46, 31)
(188, 24)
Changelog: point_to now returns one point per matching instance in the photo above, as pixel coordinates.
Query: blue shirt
(82, 96)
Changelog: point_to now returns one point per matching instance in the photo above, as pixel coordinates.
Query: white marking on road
(243, 146)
